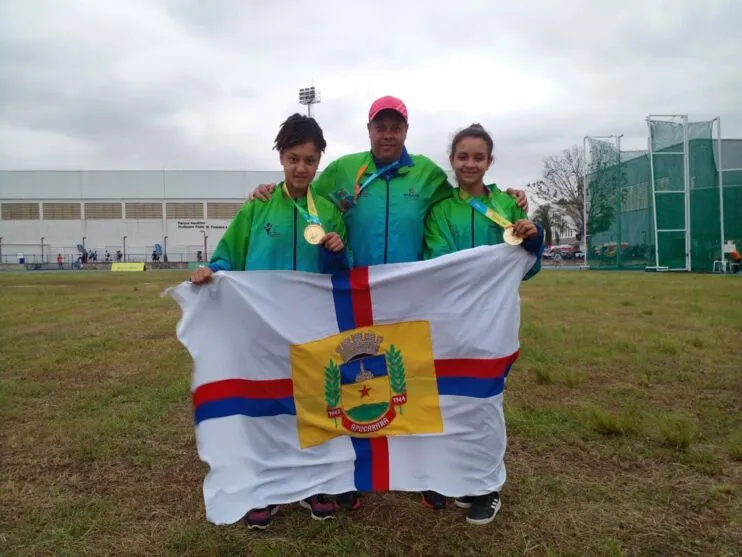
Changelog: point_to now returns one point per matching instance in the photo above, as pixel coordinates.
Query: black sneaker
(260, 518)
(348, 501)
(463, 502)
(434, 500)
(321, 506)
(484, 509)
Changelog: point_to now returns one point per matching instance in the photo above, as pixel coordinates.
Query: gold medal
(511, 238)
(313, 233)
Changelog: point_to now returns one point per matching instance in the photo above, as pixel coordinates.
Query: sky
(204, 84)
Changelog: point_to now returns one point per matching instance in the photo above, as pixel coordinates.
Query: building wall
(128, 210)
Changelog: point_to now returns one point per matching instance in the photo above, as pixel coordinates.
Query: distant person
(59, 261)
(294, 230)
(736, 260)
(154, 255)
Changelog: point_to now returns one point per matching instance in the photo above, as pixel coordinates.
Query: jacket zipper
(472, 228)
(295, 238)
(386, 223)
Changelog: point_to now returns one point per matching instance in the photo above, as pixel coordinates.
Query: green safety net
(620, 230)
(705, 203)
(621, 207)
(732, 180)
(668, 162)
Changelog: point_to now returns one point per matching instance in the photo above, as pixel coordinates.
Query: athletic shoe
(463, 502)
(484, 509)
(321, 506)
(260, 518)
(348, 501)
(434, 500)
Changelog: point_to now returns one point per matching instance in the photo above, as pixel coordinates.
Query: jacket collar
(402, 167)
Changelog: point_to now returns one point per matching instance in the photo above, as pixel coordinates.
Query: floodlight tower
(309, 96)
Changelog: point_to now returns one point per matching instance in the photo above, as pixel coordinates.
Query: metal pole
(654, 197)
(42, 249)
(1, 249)
(124, 248)
(720, 179)
(584, 197)
(686, 190)
(309, 109)
(619, 193)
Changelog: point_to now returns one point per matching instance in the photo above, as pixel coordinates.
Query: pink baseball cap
(387, 103)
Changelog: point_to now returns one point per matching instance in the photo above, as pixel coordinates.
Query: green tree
(544, 216)
(562, 186)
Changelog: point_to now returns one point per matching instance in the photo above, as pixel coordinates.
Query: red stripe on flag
(243, 388)
(379, 464)
(361, 296)
(489, 368)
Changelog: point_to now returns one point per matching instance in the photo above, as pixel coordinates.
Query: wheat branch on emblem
(332, 387)
(397, 378)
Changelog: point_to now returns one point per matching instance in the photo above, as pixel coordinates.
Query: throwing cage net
(669, 208)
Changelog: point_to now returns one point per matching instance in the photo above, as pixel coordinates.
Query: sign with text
(199, 225)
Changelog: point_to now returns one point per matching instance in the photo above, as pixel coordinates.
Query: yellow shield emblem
(368, 382)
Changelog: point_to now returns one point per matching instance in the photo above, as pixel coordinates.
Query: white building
(55, 211)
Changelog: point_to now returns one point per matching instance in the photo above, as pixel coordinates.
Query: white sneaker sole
(483, 521)
(461, 504)
(306, 505)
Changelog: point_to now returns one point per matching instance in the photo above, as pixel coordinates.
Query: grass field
(624, 417)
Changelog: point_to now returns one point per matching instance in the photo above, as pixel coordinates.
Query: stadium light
(309, 96)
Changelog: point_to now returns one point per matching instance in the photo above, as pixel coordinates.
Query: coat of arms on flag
(378, 381)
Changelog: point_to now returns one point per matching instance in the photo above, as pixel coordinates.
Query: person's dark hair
(297, 130)
(476, 131)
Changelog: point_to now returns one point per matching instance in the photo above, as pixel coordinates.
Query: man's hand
(332, 242)
(520, 198)
(525, 229)
(202, 275)
(262, 193)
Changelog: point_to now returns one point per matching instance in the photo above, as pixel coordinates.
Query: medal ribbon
(490, 211)
(312, 217)
(367, 181)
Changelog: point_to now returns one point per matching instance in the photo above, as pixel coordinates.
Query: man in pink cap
(384, 195)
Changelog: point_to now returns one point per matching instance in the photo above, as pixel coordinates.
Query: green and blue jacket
(269, 236)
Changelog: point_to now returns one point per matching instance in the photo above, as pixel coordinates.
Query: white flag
(383, 378)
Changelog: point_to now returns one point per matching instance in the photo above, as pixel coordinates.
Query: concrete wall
(50, 185)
